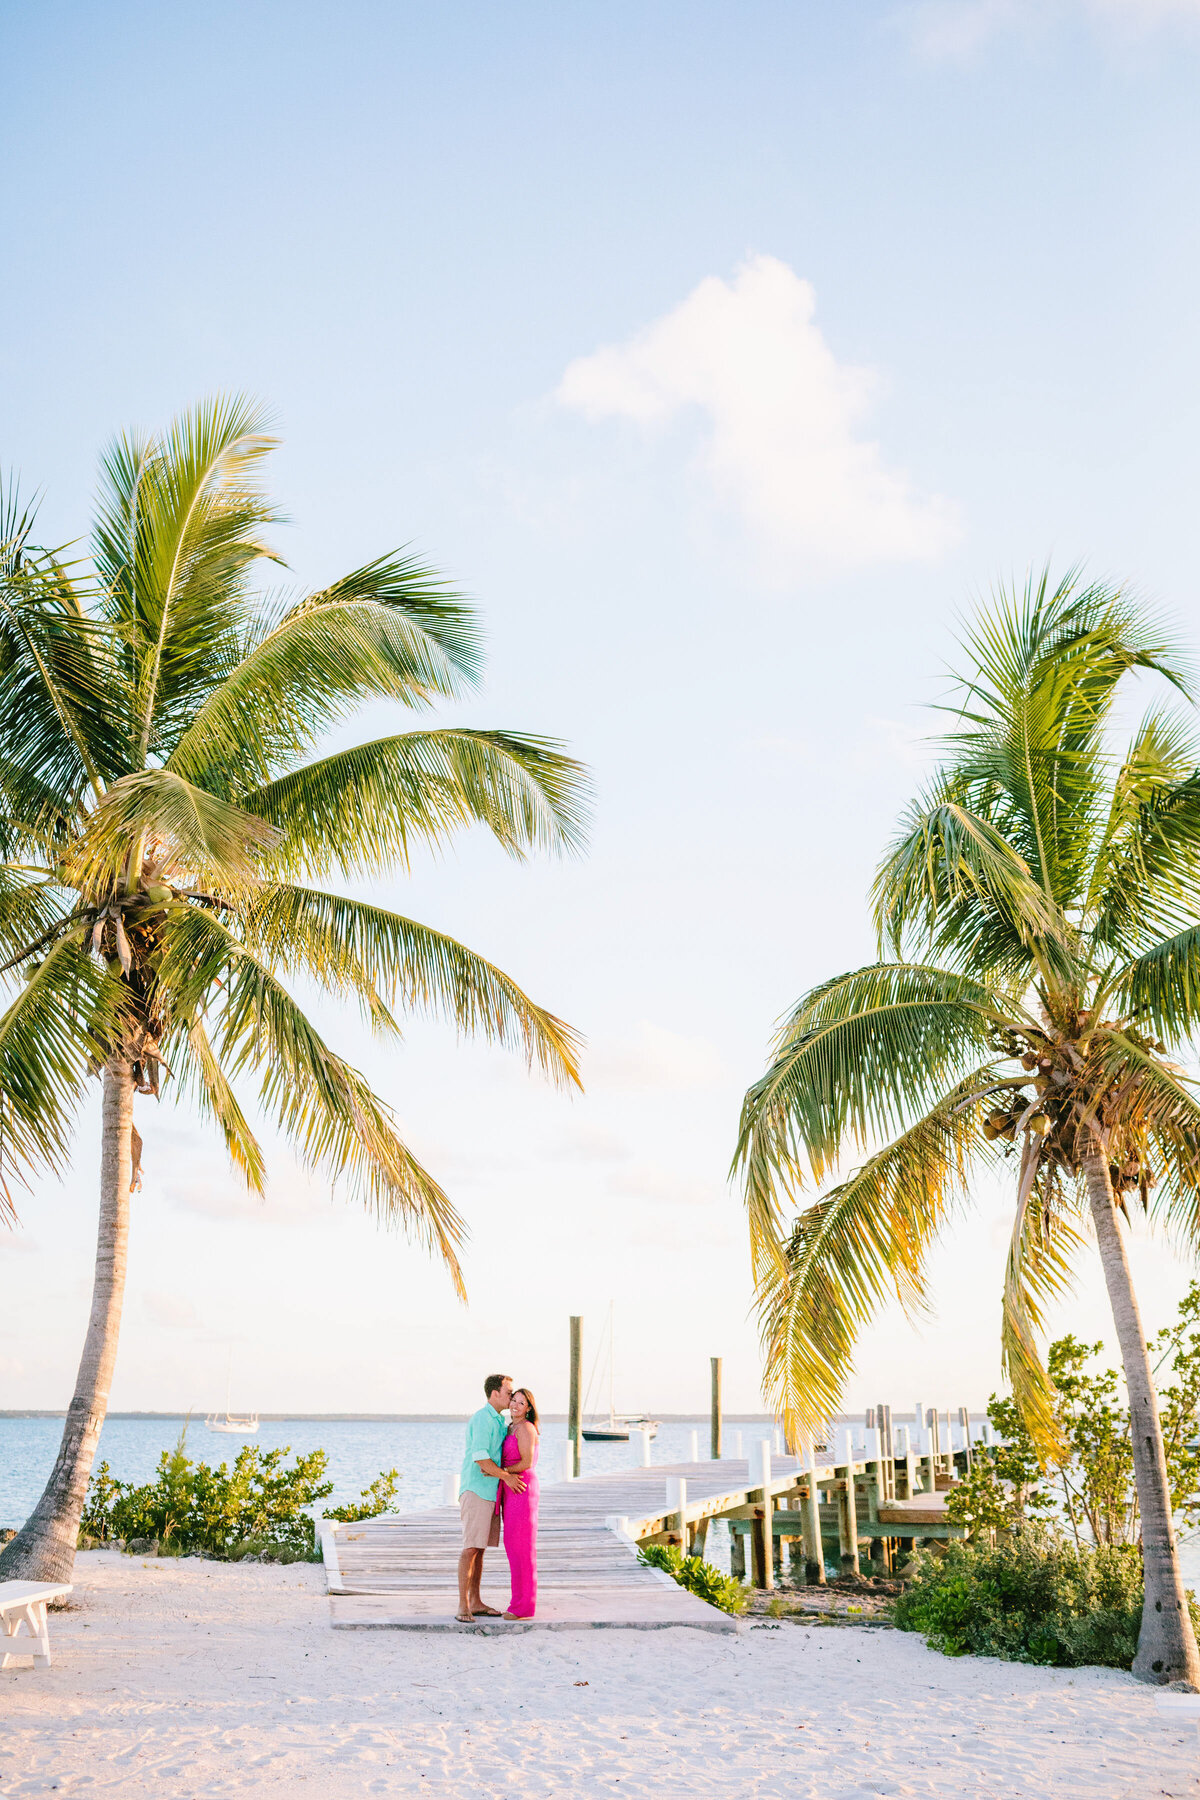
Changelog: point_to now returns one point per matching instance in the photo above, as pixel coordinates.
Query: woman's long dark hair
(531, 1415)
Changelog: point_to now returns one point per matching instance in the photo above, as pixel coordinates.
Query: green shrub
(257, 1508)
(373, 1500)
(699, 1577)
(1033, 1598)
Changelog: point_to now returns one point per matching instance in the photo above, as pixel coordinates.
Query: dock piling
(764, 1524)
(814, 1550)
(714, 1442)
(677, 1504)
(574, 1417)
(642, 1437)
(450, 1487)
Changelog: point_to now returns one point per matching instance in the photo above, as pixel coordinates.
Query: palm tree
(161, 815)
(1038, 916)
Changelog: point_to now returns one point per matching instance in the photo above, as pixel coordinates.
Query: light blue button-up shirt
(486, 1431)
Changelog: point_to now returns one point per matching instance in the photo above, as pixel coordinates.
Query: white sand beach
(186, 1680)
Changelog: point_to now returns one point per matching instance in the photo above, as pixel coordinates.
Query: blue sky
(724, 354)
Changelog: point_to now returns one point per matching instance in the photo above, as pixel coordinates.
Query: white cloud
(16, 1243)
(958, 29)
(650, 1181)
(781, 417)
(583, 1143)
(170, 1310)
(653, 1057)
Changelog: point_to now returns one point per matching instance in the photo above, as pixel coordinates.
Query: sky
(726, 356)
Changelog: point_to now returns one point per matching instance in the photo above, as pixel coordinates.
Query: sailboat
(617, 1427)
(238, 1424)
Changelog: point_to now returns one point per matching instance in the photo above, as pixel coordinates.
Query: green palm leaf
(347, 944)
(859, 1246)
(856, 1060)
(381, 800)
(51, 1037)
(390, 630)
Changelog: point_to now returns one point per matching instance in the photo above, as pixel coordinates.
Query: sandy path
(191, 1680)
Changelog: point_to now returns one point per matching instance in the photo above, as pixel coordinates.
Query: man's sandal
(464, 1619)
(487, 1612)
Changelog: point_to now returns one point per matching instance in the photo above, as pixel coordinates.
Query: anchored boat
(617, 1427)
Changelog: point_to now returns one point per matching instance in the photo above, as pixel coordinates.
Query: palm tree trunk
(1167, 1644)
(44, 1548)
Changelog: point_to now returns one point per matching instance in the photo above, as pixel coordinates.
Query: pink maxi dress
(520, 1531)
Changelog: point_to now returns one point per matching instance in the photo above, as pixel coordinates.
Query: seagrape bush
(699, 1577)
(259, 1507)
(1035, 1597)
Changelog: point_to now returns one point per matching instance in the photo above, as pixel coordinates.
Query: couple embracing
(499, 1483)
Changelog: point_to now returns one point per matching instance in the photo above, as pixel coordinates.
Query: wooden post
(699, 1537)
(642, 1438)
(737, 1554)
(931, 1451)
(847, 1510)
(714, 1441)
(764, 1527)
(450, 1487)
(964, 1419)
(693, 1446)
(814, 1550)
(677, 1504)
(574, 1421)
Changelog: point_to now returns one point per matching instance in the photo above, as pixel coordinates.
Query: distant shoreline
(34, 1412)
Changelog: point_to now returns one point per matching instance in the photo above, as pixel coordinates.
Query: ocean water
(357, 1449)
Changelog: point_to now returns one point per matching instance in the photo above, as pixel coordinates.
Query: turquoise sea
(422, 1450)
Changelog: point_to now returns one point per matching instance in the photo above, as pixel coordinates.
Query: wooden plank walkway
(399, 1572)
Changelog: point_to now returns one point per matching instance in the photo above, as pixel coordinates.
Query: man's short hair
(493, 1383)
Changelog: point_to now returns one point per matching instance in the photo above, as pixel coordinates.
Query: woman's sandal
(464, 1619)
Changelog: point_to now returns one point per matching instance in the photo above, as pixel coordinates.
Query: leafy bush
(257, 1508)
(1033, 1598)
(697, 1576)
(372, 1501)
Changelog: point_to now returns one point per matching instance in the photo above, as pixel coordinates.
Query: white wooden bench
(23, 1603)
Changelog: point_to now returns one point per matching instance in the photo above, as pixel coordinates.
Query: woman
(519, 1452)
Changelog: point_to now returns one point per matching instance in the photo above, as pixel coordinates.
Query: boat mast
(612, 1416)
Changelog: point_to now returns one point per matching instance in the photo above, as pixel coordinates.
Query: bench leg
(36, 1640)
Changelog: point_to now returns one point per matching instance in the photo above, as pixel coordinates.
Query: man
(479, 1484)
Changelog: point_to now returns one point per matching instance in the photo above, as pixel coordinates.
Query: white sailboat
(237, 1424)
(617, 1427)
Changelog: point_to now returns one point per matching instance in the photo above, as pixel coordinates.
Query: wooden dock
(398, 1572)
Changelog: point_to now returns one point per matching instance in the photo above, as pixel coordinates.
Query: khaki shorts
(480, 1521)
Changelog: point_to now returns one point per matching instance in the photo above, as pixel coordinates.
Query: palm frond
(57, 1028)
(390, 630)
(859, 1246)
(951, 882)
(179, 528)
(854, 1062)
(1160, 990)
(1039, 1269)
(1029, 739)
(348, 944)
(323, 1104)
(375, 802)
(1146, 879)
(201, 1074)
(185, 830)
(57, 733)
